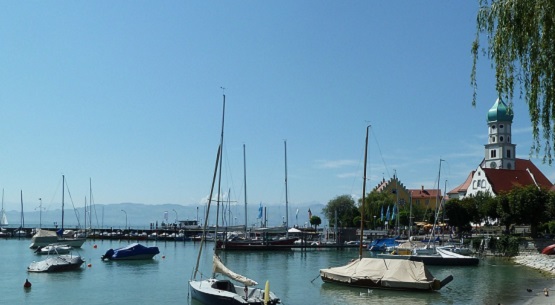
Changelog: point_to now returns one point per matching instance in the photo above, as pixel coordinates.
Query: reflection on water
(337, 294)
(293, 276)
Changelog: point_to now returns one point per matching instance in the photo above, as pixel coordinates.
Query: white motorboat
(53, 249)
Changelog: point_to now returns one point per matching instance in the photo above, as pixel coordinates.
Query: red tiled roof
(503, 180)
(424, 193)
(464, 186)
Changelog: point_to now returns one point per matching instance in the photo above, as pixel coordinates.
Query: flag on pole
(309, 213)
(297, 215)
(381, 218)
(260, 211)
(387, 214)
(393, 213)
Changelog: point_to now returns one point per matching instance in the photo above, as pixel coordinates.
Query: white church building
(500, 170)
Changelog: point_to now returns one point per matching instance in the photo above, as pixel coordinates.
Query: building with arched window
(500, 170)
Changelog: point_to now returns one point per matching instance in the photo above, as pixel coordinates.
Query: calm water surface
(164, 280)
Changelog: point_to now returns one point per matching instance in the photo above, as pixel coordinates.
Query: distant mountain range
(140, 216)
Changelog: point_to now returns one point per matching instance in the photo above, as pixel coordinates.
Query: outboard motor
(108, 254)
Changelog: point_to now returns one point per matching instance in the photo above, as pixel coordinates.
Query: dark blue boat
(382, 244)
(132, 252)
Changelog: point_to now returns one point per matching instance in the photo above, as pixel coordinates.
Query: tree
(374, 203)
(520, 37)
(346, 210)
(528, 204)
(315, 221)
(487, 207)
(457, 212)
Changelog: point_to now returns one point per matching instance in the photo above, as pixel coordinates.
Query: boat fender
(27, 284)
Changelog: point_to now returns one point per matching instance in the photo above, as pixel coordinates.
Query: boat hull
(260, 245)
(204, 292)
(379, 285)
(435, 260)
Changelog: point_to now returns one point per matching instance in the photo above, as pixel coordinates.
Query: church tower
(500, 152)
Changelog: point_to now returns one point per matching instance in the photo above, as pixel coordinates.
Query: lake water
(164, 280)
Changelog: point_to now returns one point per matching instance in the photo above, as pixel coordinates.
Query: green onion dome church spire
(499, 112)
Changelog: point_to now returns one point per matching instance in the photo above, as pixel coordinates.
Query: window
(509, 166)
(493, 153)
(479, 183)
(501, 126)
(483, 183)
(508, 153)
(501, 139)
(493, 139)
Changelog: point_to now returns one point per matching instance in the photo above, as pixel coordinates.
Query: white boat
(3, 217)
(57, 263)
(223, 291)
(44, 237)
(54, 249)
(213, 291)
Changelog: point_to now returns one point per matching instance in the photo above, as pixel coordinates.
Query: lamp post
(374, 222)
(175, 215)
(125, 218)
(40, 213)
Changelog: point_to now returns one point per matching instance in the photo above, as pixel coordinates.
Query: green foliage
(476, 243)
(506, 245)
(527, 205)
(346, 211)
(549, 227)
(315, 221)
(520, 36)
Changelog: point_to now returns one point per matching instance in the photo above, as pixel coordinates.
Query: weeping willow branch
(520, 41)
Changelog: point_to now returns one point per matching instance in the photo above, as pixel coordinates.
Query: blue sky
(128, 94)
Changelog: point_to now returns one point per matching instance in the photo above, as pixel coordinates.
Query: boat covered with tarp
(383, 244)
(58, 263)
(379, 273)
(134, 251)
(43, 238)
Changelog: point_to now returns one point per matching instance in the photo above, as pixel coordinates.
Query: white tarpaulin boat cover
(220, 268)
(393, 273)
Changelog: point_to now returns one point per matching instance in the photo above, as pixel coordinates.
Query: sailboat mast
(22, 215)
(90, 206)
(203, 239)
(397, 203)
(220, 173)
(436, 214)
(63, 191)
(245, 182)
(286, 198)
(363, 195)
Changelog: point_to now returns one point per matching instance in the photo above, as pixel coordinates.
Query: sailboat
(212, 291)
(381, 273)
(44, 238)
(3, 217)
(21, 231)
(265, 243)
